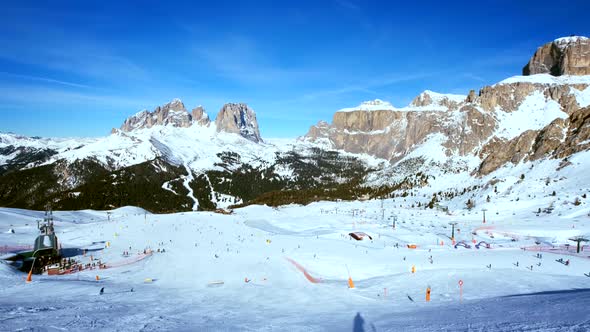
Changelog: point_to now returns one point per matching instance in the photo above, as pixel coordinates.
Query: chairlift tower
(46, 226)
(453, 224)
(578, 239)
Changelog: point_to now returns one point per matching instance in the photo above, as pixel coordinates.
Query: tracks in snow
(186, 182)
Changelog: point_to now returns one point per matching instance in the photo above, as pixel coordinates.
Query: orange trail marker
(30, 275)
(97, 278)
(413, 268)
(350, 283)
(428, 294)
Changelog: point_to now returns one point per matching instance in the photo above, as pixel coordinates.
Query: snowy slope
(262, 290)
(197, 146)
(534, 113)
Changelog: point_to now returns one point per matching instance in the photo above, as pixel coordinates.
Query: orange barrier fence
(302, 269)
(133, 259)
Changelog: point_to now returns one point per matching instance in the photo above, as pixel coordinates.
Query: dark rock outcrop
(240, 119)
(563, 56)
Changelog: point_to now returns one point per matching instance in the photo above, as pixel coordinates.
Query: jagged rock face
(475, 128)
(429, 98)
(240, 119)
(172, 113)
(392, 134)
(320, 130)
(471, 97)
(465, 125)
(366, 121)
(363, 131)
(509, 97)
(499, 152)
(548, 139)
(559, 139)
(200, 117)
(578, 134)
(563, 56)
(506, 96)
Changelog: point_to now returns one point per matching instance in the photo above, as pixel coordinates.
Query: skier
(101, 291)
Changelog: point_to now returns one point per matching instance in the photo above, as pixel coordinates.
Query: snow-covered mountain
(235, 118)
(167, 162)
(171, 160)
(520, 118)
(467, 124)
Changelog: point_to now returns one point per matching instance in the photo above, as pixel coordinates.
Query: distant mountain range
(172, 160)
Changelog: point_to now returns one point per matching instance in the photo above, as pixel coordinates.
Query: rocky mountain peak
(498, 124)
(240, 119)
(200, 116)
(563, 56)
(431, 98)
(173, 113)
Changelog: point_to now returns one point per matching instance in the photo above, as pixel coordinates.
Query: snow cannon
(45, 248)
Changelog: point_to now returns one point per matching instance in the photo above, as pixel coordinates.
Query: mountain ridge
(235, 118)
(439, 142)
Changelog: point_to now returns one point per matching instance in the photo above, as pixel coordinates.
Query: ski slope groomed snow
(290, 269)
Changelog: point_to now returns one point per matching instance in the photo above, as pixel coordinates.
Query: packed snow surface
(288, 269)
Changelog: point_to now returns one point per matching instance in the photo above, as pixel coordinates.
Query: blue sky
(80, 68)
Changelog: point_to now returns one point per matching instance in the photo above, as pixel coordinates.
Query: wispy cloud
(242, 59)
(36, 95)
(367, 86)
(44, 79)
(46, 46)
